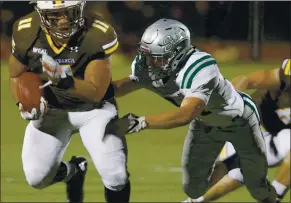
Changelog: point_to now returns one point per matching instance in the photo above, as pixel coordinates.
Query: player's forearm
(260, 79)
(87, 91)
(190, 108)
(124, 86)
(168, 120)
(221, 188)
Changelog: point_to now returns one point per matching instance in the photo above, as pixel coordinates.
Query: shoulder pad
(286, 66)
(25, 30)
(101, 36)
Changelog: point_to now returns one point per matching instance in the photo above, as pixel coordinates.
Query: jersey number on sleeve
(100, 25)
(25, 23)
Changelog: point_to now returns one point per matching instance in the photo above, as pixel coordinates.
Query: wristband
(66, 83)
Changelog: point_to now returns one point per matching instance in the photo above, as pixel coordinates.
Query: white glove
(136, 123)
(53, 69)
(34, 114)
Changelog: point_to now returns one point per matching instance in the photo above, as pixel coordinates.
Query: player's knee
(36, 177)
(116, 181)
(259, 191)
(236, 175)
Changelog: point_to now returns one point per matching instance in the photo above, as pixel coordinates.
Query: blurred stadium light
(231, 30)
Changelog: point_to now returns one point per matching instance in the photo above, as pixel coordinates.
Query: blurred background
(228, 29)
(242, 36)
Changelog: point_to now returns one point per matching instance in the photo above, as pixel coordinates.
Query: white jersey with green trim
(200, 77)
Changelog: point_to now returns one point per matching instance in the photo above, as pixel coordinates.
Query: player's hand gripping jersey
(199, 77)
(96, 40)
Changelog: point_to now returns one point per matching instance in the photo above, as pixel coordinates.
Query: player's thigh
(199, 154)
(42, 154)
(108, 152)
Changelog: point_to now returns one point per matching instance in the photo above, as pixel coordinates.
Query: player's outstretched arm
(190, 108)
(125, 86)
(260, 79)
(197, 94)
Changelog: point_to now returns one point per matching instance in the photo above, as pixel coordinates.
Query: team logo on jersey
(74, 49)
(66, 61)
(39, 50)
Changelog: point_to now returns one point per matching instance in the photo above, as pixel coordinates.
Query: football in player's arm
(276, 80)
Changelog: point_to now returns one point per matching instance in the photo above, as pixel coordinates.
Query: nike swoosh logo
(133, 126)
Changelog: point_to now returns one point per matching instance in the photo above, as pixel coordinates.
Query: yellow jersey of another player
(95, 40)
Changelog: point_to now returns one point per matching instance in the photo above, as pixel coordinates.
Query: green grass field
(154, 156)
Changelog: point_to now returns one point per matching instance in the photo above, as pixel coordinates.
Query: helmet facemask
(62, 23)
(159, 66)
(155, 66)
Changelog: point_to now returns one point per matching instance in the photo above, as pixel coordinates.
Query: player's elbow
(116, 87)
(15, 67)
(189, 112)
(185, 119)
(97, 96)
(101, 93)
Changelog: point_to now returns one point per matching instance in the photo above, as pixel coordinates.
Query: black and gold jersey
(96, 40)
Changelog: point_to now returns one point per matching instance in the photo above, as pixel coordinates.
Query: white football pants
(46, 141)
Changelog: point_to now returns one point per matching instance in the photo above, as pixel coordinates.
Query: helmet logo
(171, 40)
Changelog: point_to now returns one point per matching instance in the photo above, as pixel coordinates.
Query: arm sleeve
(203, 83)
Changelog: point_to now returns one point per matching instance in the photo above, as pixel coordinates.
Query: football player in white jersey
(170, 66)
(275, 112)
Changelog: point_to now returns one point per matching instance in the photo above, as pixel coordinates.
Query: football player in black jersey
(71, 50)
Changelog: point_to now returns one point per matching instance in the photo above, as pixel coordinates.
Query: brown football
(28, 91)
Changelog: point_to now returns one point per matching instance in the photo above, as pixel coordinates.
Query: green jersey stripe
(251, 100)
(248, 96)
(206, 64)
(252, 105)
(191, 67)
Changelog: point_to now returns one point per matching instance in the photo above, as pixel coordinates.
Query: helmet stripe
(58, 2)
